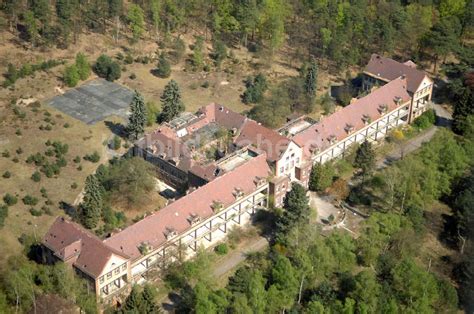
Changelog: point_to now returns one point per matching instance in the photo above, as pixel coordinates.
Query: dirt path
(239, 255)
(443, 120)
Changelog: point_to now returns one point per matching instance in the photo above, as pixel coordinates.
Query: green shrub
(36, 176)
(37, 159)
(116, 143)
(29, 200)
(61, 162)
(20, 114)
(94, 157)
(128, 59)
(18, 132)
(66, 125)
(71, 76)
(7, 174)
(205, 84)
(79, 168)
(77, 159)
(16, 160)
(74, 186)
(9, 199)
(19, 151)
(35, 212)
(106, 68)
(221, 249)
(59, 148)
(49, 152)
(6, 154)
(50, 170)
(44, 193)
(426, 120)
(3, 214)
(47, 210)
(133, 76)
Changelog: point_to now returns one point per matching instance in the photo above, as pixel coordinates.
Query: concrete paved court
(94, 101)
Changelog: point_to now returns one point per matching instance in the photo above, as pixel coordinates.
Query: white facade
(202, 234)
(114, 276)
(372, 132)
(290, 159)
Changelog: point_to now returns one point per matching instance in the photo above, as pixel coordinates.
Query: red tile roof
(69, 240)
(338, 124)
(152, 229)
(388, 69)
(265, 139)
(223, 116)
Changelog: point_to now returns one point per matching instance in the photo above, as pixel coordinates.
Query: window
(298, 160)
(109, 275)
(117, 271)
(287, 158)
(101, 279)
(286, 167)
(282, 169)
(292, 163)
(292, 155)
(124, 267)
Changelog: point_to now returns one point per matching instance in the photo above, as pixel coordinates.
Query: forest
(303, 271)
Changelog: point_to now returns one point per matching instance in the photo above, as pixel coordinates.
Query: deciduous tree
(136, 21)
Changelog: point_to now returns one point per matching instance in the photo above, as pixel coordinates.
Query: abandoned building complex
(230, 166)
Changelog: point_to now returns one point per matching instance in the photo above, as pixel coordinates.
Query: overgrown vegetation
(125, 182)
(13, 74)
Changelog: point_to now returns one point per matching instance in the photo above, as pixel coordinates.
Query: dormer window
(366, 119)
(194, 219)
(314, 149)
(217, 206)
(259, 181)
(238, 193)
(332, 139)
(144, 248)
(383, 108)
(170, 233)
(349, 128)
(398, 100)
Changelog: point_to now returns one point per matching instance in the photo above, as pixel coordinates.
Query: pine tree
(138, 117)
(83, 66)
(296, 211)
(149, 304)
(91, 206)
(310, 80)
(365, 158)
(463, 107)
(164, 67)
(134, 302)
(171, 103)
